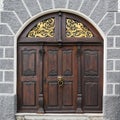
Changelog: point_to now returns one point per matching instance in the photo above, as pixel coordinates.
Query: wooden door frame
(84, 41)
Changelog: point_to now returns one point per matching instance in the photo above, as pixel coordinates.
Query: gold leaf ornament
(45, 28)
(77, 29)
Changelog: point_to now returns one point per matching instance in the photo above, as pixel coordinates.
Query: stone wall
(106, 16)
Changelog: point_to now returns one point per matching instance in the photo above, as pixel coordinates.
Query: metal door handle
(60, 81)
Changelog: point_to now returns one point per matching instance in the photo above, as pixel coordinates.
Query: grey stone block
(107, 22)
(99, 11)
(118, 18)
(117, 41)
(46, 4)
(74, 4)
(6, 64)
(112, 5)
(6, 88)
(117, 89)
(115, 31)
(112, 107)
(1, 52)
(9, 52)
(9, 76)
(110, 41)
(32, 6)
(7, 107)
(117, 64)
(60, 3)
(6, 41)
(109, 89)
(18, 7)
(11, 19)
(113, 77)
(113, 54)
(109, 64)
(4, 30)
(87, 6)
(1, 76)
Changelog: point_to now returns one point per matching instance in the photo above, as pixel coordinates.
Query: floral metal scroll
(43, 29)
(77, 29)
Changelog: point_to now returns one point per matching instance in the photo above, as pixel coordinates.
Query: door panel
(29, 78)
(51, 70)
(29, 93)
(68, 94)
(52, 94)
(92, 78)
(61, 61)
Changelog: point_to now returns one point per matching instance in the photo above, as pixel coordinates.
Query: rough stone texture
(11, 19)
(7, 107)
(118, 42)
(6, 40)
(99, 11)
(4, 30)
(18, 7)
(117, 89)
(88, 6)
(6, 64)
(6, 88)
(1, 76)
(113, 54)
(112, 107)
(113, 77)
(109, 89)
(46, 4)
(74, 4)
(115, 31)
(9, 52)
(60, 3)
(9, 76)
(34, 5)
(107, 22)
(1, 52)
(109, 64)
(110, 41)
(118, 18)
(112, 5)
(117, 64)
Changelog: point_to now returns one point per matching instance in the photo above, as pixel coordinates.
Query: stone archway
(64, 32)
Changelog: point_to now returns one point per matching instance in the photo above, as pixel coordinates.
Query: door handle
(60, 81)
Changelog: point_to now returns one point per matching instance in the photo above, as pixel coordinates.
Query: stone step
(28, 116)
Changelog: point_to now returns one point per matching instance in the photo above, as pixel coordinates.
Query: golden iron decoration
(77, 29)
(44, 28)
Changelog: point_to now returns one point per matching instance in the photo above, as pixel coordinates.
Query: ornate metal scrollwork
(77, 29)
(44, 28)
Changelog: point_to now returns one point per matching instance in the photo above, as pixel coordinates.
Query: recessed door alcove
(60, 66)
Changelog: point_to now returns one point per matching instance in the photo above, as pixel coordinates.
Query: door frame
(72, 12)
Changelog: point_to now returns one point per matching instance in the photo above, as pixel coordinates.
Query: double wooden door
(60, 73)
(65, 78)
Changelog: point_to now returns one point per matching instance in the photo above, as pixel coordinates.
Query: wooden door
(29, 78)
(60, 61)
(92, 78)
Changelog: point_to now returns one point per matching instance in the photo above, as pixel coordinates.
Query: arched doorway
(60, 65)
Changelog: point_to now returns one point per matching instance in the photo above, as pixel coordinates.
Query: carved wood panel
(92, 78)
(28, 62)
(28, 78)
(62, 60)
